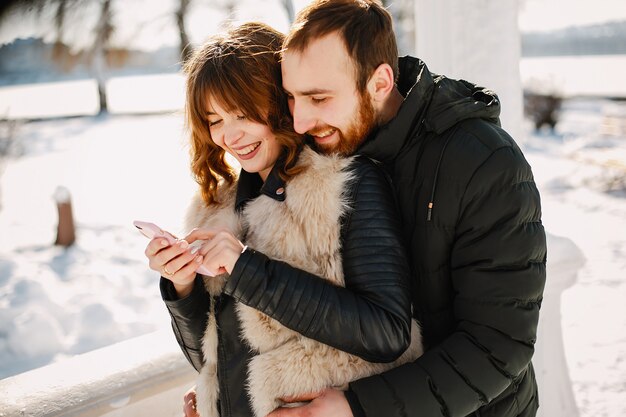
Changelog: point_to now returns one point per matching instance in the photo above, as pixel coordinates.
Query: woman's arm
(189, 317)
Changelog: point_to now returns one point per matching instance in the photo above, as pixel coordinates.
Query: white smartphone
(151, 231)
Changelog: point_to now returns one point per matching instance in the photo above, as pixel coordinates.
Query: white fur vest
(304, 231)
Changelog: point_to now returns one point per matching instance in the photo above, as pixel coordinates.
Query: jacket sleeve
(189, 318)
(498, 275)
(371, 316)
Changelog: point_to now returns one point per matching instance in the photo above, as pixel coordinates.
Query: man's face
(323, 96)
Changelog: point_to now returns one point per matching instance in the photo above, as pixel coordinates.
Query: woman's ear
(381, 83)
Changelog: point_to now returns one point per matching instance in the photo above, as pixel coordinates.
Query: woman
(309, 221)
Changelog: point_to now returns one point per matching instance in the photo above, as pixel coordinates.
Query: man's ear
(381, 83)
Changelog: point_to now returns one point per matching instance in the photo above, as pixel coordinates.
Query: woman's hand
(221, 250)
(175, 262)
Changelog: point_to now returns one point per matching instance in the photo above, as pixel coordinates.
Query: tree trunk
(104, 29)
(185, 47)
(291, 15)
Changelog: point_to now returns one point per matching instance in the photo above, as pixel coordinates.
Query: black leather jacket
(369, 318)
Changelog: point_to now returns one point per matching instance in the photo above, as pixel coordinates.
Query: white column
(477, 40)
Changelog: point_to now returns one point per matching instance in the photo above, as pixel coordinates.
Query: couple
(325, 270)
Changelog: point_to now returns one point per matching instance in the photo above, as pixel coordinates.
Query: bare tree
(229, 5)
(103, 32)
(185, 46)
(60, 51)
(96, 52)
(8, 144)
(291, 14)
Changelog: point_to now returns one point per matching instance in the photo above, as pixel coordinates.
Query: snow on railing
(144, 376)
(556, 397)
(147, 375)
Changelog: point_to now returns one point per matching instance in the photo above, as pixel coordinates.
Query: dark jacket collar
(250, 186)
(431, 102)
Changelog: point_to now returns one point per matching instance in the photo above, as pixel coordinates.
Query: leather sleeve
(189, 318)
(498, 275)
(371, 316)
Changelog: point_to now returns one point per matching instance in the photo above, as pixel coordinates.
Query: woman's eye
(215, 122)
(241, 117)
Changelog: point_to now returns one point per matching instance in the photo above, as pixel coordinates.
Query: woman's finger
(154, 246)
(200, 233)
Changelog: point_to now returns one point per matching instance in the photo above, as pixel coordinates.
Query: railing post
(556, 397)
(66, 230)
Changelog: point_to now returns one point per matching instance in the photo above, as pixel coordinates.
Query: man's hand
(328, 403)
(189, 407)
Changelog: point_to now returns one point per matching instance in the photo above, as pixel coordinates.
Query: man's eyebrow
(311, 92)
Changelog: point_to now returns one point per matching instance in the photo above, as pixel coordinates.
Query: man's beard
(356, 133)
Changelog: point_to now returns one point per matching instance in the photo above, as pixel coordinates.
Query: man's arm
(498, 275)
(369, 318)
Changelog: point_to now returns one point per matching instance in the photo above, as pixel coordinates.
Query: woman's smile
(248, 151)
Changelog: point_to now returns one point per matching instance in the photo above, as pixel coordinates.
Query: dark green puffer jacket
(472, 216)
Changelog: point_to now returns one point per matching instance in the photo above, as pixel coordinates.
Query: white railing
(147, 375)
(556, 397)
(144, 376)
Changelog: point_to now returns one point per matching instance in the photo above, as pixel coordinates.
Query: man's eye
(318, 99)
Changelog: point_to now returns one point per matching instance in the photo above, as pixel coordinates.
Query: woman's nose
(232, 134)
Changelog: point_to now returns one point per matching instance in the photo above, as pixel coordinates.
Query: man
(469, 206)
(468, 202)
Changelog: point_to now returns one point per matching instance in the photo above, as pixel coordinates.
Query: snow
(57, 302)
(581, 173)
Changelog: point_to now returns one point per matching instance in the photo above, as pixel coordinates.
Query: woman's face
(253, 144)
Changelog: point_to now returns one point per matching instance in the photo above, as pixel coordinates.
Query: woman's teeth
(250, 148)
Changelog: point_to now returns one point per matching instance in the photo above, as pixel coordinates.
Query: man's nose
(303, 117)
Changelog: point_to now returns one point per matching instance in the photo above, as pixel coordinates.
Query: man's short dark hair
(364, 25)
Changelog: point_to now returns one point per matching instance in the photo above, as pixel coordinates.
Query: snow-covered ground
(581, 173)
(57, 302)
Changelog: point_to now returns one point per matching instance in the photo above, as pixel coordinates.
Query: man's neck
(391, 106)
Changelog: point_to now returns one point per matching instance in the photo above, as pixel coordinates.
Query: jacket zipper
(431, 203)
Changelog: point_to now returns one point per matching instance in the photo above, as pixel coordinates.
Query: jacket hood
(432, 102)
